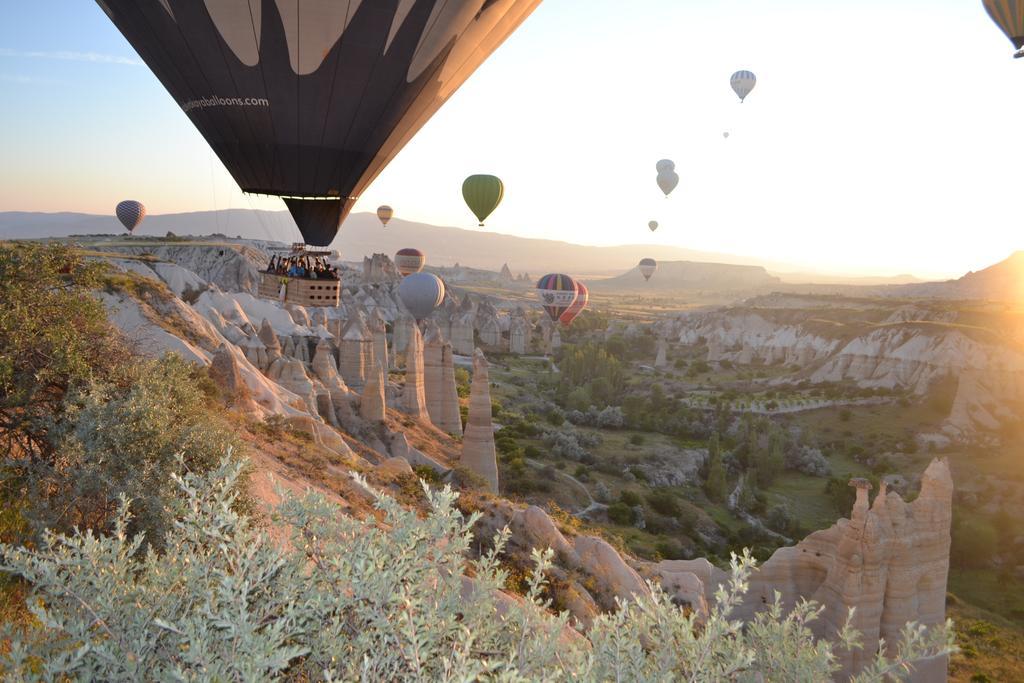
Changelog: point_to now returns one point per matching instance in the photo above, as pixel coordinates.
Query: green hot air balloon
(483, 193)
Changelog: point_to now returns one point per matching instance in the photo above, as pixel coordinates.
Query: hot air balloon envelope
(667, 181)
(409, 261)
(577, 306)
(310, 100)
(556, 292)
(653, 225)
(384, 213)
(130, 213)
(421, 293)
(1009, 17)
(665, 165)
(482, 193)
(647, 267)
(742, 83)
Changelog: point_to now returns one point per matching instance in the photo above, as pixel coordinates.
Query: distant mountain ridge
(362, 235)
(690, 275)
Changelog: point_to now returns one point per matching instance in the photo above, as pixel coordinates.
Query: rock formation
(433, 370)
(490, 333)
(270, 341)
(890, 560)
(451, 418)
(355, 349)
(327, 372)
(478, 453)
(400, 336)
(371, 405)
(414, 399)
(462, 333)
(291, 375)
(661, 361)
(379, 332)
(518, 333)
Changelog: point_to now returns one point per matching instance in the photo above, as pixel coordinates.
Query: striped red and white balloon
(409, 261)
(573, 312)
(130, 213)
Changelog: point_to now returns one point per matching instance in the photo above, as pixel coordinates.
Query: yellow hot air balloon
(1009, 17)
(384, 213)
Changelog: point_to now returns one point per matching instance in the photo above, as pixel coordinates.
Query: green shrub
(630, 498)
(116, 442)
(621, 513)
(375, 600)
(637, 439)
(663, 502)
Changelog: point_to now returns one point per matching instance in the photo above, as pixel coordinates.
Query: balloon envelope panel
(312, 99)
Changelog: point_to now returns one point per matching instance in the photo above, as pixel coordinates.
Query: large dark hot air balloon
(130, 213)
(310, 99)
(556, 293)
(573, 312)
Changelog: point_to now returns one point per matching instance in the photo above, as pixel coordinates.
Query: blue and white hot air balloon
(742, 83)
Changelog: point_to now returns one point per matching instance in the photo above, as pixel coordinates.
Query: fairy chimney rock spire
(478, 453)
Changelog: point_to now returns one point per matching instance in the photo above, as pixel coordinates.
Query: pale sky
(882, 137)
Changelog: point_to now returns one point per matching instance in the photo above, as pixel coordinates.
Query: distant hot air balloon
(130, 213)
(571, 313)
(647, 267)
(665, 165)
(1009, 16)
(652, 225)
(667, 181)
(384, 213)
(742, 83)
(556, 293)
(725, 135)
(482, 193)
(409, 261)
(421, 293)
(296, 108)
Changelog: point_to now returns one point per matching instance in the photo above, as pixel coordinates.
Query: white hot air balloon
(667, 181)
(652, 225)
(742, 83)
(725, 135)
(665, 165)
(421, 293)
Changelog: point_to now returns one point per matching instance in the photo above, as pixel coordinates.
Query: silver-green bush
(374, 600)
